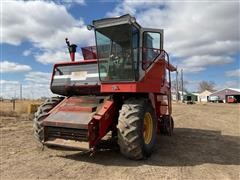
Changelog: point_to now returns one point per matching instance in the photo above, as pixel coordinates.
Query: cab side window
(151, 48)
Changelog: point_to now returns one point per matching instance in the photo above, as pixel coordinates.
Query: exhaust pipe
(72, 49)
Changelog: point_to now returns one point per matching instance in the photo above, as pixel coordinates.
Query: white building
(174, 95)
(203, 96)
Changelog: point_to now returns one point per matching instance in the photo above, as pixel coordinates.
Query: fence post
(13, 104)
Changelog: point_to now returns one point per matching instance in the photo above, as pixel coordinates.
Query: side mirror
(90, 27)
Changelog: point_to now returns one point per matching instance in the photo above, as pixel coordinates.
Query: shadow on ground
(187, 147)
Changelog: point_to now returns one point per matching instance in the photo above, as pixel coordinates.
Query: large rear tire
(42, 113)
(137, 128)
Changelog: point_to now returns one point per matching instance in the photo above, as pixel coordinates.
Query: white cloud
(232, 84)
(45, 24)
(76, 34)
(38, 77)
(53, 56)
(27, 52)
(38, 20)
(200, 34)
(35, 85)
(7, 66)
(200, 63)
(229, 84)
(132, 6)
(35, 91)
(79, 1)
(72, 2)
(191, 69)
(2, 81)
(207, 60)
(9, 89)
(233, 73)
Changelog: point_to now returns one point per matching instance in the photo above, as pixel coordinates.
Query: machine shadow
(187, 147)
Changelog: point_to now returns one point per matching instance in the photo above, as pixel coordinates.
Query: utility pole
(177, 91)
(182, 84)
(20, 91)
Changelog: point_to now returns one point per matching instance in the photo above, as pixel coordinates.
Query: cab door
(152, 43)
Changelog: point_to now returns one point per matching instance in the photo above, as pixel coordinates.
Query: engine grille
(65, 133)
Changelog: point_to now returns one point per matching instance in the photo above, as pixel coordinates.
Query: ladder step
(160, 104)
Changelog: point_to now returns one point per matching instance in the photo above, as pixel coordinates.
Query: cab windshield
(117, 48)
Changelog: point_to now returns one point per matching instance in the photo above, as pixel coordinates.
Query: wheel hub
(147, 128)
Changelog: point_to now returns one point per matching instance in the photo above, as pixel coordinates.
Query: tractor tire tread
(41, 114)
(129, 134)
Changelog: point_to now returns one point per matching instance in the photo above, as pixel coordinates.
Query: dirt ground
(205, 145)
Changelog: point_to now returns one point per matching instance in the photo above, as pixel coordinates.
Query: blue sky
(201, 37)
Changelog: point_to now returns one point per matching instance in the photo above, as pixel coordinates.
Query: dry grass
(21, 107)
(205, 145)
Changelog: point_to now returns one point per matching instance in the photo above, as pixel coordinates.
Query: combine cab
(122, 86)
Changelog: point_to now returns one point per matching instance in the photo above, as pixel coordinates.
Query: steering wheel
(115, 59)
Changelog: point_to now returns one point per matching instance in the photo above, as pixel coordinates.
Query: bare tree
(174, 85)
(206, 85)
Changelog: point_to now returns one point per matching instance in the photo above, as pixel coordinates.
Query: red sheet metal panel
(101, 123)
(68, 119)
(73, 112)
(77, 120)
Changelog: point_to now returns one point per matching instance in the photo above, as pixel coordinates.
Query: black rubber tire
(130, 129)
(165, 128)
(42, 113)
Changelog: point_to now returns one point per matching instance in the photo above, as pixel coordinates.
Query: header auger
(121, 86)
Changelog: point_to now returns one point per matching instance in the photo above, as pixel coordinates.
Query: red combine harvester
(122, 86)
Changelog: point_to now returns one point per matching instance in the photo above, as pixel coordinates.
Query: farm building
(174, 95)
(204, 96)
(186, 96)
(190, 97)
(227, 95)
